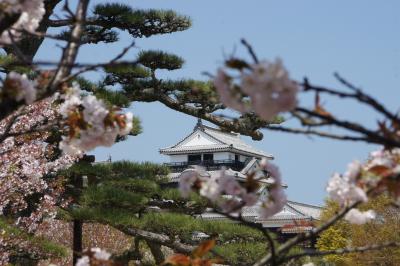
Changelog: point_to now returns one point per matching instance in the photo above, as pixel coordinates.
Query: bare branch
(316, 133)
(71, 51)
(358, 95)
(111, 63)
(373, 136)
(284, 248)
(250, 50)
(341, 251)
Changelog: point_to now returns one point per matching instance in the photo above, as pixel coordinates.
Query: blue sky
(359, 39)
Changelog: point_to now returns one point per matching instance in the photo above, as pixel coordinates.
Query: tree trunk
(156, 251)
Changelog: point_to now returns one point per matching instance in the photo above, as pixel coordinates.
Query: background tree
(381, 231)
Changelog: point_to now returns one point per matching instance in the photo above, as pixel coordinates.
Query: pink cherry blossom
(228, 95)
(270, 89)
(268, 86)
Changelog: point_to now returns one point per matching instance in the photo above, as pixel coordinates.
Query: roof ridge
(304, 204)
(219, 130)
(191, 134)
(208, 134)
(294, 209)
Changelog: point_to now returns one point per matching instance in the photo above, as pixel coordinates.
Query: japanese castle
(213, 149)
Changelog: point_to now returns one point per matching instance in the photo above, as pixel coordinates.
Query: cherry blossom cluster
(90, 122)
(230, 195)
(25, 159)
(95, 256)
(28, 162)
(30, 14)
(347, 189)
(379, 172)
(18, 87)
(276, 199)
(264, 88)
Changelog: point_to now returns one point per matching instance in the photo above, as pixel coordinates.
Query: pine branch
(160, 239)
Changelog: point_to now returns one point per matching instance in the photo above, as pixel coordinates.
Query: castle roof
(293, 213)
(209, 139)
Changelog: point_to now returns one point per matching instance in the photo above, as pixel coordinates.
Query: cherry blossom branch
(372, 136)
(7, 20)
(365, 98)
(309, 235)
(284, 248)
(341, 251)
(9, 125)
(359, 95)
(250, 50)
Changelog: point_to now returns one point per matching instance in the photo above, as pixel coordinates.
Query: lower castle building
(214, 149)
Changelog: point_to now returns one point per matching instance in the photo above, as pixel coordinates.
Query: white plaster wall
(198, 139)
(242, 158)
(178, 158)
(223, 156)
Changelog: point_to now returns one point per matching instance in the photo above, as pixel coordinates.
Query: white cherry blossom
(99, 126)
(20, 87)
(345, 191)
(31, 13)
(356, 216)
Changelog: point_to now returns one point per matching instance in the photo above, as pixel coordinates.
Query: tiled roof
(224, 141)
(306, 209)
(174, 177)
(288, 215)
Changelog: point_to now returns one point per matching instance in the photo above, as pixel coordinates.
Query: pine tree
(132, 197)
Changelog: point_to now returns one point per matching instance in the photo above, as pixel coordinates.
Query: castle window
(208, 157)
(194, 158)
(236, 157)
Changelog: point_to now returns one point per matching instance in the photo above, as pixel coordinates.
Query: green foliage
(242, 253)
(184, 226)
(139, 23)
(38, 244)
(125, 72)
(144, 170)
(112, 197)
(380, 230)
(93, 34)
(8, 64)
(160, 60)
(121, 170)
(333, 238)
(175, 195)
(110, 97)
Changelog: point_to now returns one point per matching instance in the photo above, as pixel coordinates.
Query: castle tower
(214, 149)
